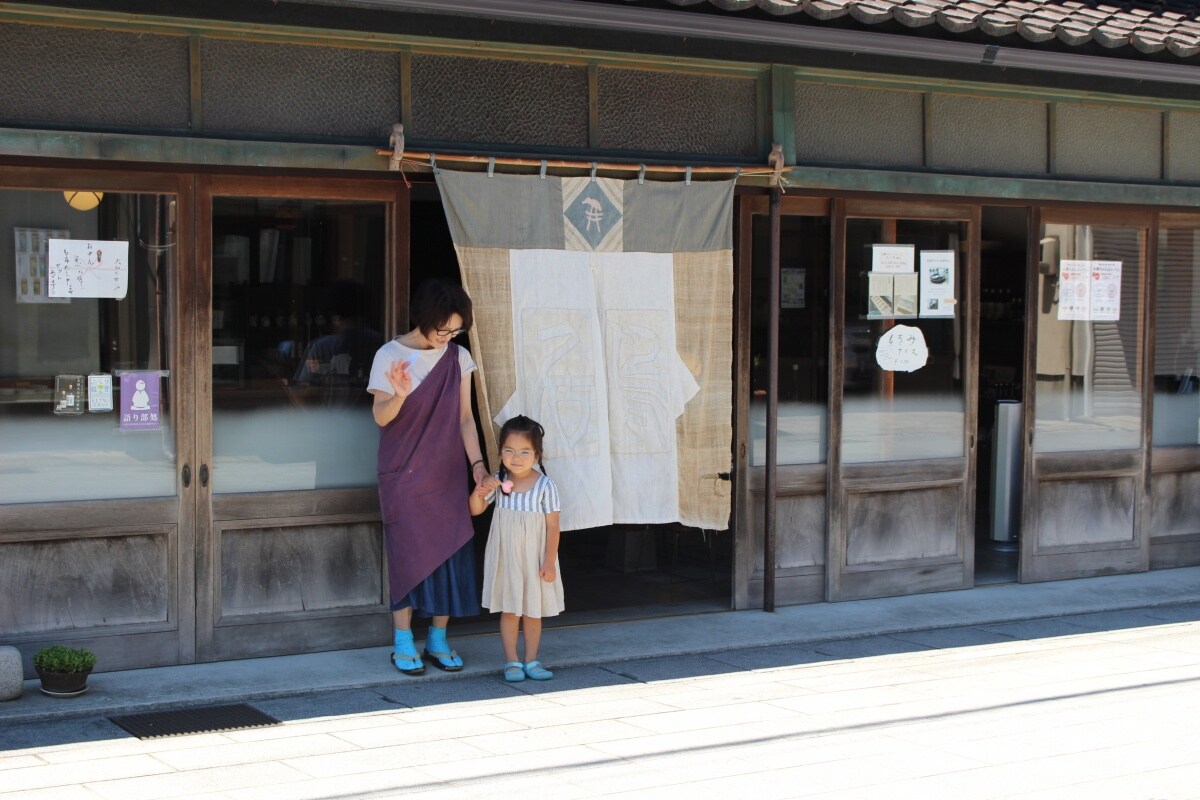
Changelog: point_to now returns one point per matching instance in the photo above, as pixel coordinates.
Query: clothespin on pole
(492, 167)
(542, 171)
(593, 172)
(641, 173)
(433, 162)
(687, 177)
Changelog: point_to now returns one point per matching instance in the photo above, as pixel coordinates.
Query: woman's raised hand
(400, 379)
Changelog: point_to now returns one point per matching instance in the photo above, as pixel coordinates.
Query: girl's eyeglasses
(450, 332)
(508, 452)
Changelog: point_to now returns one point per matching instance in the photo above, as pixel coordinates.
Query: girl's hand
(487, 485)
(400, 379)
(547, 571)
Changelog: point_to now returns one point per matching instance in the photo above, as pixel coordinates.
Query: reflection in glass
(899, 416)
(1088, 372)
(298, 313)
(1177, 339)
(45, 457)
(803, 340)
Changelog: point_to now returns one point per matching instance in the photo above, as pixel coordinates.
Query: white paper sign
(902, 349)
(937, 283)
(893, 258)
(1105, 291)
(83, 268)
(1074, 289)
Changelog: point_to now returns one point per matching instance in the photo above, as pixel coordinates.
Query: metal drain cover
(182, 721)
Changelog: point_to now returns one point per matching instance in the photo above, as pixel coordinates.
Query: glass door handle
(187, 475)
(203, 475)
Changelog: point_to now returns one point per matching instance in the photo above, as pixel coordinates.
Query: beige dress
(515, 547)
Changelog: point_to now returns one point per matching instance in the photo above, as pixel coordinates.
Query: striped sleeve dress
(515, 548)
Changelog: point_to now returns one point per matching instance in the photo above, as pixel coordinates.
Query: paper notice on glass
(100, 393)
(937, 283)
(83, 268)
(31, 259)
(902, 349)
(791, 289)
(1074, 289)
(893, 258)
(879, 296)
(904, 294)
(1105, 305)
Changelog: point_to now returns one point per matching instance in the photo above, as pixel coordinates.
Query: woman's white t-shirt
(421, 363)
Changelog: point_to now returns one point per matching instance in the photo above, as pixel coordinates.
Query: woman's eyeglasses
(451, 332)
(508, 452)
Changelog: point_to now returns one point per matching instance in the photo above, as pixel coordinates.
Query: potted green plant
(64, 671)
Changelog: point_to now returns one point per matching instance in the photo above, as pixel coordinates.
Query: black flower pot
(63, 684)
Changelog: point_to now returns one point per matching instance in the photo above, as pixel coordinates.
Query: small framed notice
(68, 394)
(100, 393)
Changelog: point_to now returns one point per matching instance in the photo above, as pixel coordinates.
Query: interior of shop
(1003, 256)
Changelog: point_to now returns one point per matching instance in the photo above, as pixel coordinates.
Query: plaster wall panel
(677, 113)
(299, 90)
(495, 101)
(984, 134)
(853, 125)
(92, 77)
(1108, 142)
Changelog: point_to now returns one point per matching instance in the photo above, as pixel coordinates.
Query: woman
(421, 381)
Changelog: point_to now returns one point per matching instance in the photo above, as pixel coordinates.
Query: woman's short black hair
(435, 301)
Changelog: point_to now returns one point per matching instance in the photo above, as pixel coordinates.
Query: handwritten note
(83, 268)
(902, 349)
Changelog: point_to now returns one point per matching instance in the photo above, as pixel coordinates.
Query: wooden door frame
(1073, 560)
(172, 640)
(940, 472)
(793, 585)
(291, 631)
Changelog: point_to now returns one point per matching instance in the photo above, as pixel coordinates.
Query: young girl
(520, 566)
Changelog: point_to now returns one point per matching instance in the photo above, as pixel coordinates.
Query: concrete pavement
(572, 646)
(1065, 703)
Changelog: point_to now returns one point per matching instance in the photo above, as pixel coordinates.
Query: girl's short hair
(435, 301)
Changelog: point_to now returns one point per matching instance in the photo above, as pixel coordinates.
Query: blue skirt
(450, 591)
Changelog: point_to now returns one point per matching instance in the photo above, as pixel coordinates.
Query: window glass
(1177, 339)
(893, 414)
(1088, 394)
(298, 313)
(802, 436)
(50, 346)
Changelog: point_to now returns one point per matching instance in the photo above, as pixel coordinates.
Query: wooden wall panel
(100, 580)
(299, 568)
(885, 527)
(799, 532)
(1085, 512)
(1174, 504)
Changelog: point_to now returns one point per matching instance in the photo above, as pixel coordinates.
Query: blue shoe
(439, 653)
(537, 672)
(513, 672)
(404, 654)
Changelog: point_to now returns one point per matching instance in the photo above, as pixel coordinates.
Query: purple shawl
(422, 487)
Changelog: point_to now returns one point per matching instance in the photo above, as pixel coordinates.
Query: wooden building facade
(238, 149)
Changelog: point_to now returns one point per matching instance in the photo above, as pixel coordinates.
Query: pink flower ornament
(507, 487)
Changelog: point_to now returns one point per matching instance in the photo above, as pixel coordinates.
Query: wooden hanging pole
(423, 159)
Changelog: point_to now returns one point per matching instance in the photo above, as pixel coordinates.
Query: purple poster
(140, 392)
